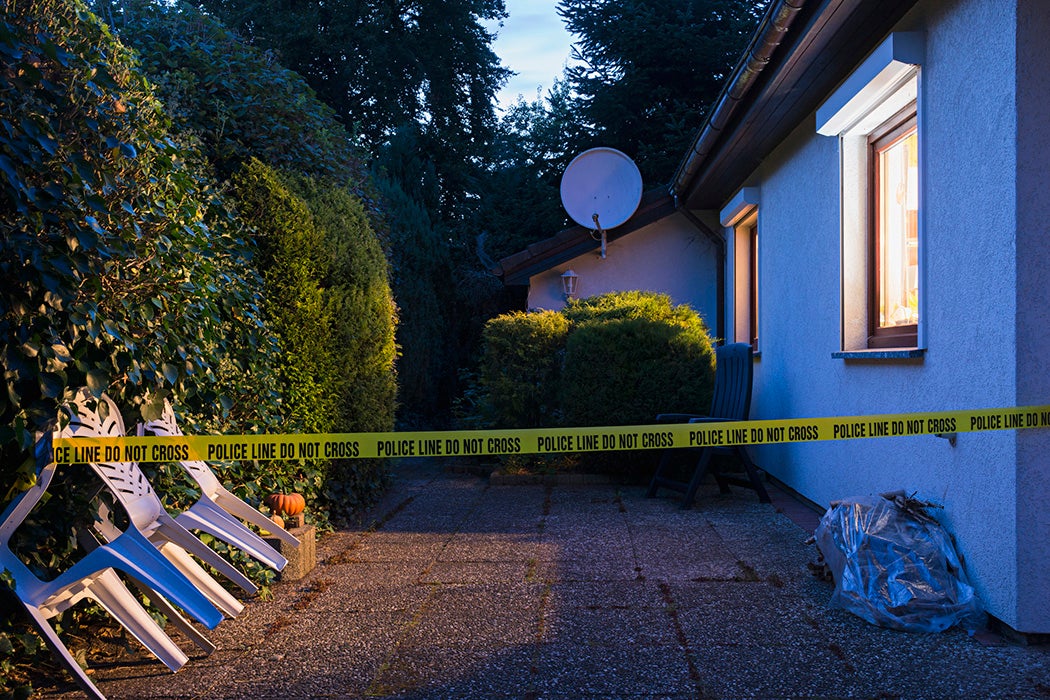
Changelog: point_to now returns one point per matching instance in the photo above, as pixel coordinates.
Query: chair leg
(658, 476)
(752, 474)
(698, 476)
(62, 654)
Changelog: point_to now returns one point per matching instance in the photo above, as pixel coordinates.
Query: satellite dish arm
(601, 232)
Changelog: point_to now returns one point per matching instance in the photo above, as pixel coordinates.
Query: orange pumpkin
(286, 503)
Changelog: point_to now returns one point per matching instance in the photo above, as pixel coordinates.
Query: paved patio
(466, 589)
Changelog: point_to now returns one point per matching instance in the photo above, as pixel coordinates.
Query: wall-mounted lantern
(569, 282)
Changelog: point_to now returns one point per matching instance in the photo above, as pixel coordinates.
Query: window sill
(880, 354)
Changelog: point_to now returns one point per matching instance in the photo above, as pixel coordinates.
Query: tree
(236, 100)
(382, 65)
(648, 70)
(416, 81)
(300, 184)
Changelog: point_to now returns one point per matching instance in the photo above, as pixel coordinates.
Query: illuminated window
(740, 218)
(877, 116)
(893, 262)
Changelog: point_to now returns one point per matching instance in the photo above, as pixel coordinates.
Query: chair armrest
(677, 417)
(712, 419)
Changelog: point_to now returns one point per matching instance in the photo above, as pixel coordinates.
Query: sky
(534, 44)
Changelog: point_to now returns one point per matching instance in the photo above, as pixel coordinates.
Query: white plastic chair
(94, 577)
(217, 510)
(145, 510)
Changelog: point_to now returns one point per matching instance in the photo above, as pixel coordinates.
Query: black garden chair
(731, 402)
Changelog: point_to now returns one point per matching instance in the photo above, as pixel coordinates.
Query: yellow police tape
(83, 450)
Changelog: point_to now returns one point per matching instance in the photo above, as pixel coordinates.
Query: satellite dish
(601, 188)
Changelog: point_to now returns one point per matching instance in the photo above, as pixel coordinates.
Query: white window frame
(740, 217)
(884, 84)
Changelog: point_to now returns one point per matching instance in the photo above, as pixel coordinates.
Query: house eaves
(572, 242)
(801, 51)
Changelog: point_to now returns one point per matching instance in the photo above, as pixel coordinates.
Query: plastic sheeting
(895, 566)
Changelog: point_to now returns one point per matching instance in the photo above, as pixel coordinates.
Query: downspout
(775, 25)
(720, 275)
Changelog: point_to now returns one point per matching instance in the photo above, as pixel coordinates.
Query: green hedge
(634, 354)
(614, 359)
(362, 314)
(520, 369)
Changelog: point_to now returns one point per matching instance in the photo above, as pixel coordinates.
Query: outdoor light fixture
(569, 282)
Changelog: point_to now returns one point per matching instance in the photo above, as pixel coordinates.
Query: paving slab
(453, 587)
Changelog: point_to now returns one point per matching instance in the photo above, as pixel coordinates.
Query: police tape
(458, 443)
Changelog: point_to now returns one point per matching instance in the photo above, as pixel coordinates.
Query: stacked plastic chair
(95, 577)
(156, 551)
(217, 510)
(100, 417)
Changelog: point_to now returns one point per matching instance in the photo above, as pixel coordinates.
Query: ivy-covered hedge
(122, 268)
(613, 359)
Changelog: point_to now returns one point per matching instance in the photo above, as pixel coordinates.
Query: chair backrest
(733, 373)
(93, 417)
(165, 426)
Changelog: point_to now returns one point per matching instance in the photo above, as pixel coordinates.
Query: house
(879, 172)
(658, 249)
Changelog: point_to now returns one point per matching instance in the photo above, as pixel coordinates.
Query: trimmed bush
(520, 369)
(633, 355)
(361, 310)
(627, 370)
(293, 260)
(614, 359)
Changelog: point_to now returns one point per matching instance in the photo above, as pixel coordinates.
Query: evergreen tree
(648, 70)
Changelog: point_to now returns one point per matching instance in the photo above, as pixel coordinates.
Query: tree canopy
(644, 74)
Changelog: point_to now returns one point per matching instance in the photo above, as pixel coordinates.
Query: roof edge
(767, 38)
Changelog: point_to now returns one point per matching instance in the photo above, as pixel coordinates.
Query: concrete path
(463, 589)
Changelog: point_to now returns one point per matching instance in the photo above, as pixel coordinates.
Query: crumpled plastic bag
(895, 566)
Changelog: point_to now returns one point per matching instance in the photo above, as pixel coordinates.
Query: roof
(801, 51)
(516, 269)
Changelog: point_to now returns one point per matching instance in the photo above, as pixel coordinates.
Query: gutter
(767, 38)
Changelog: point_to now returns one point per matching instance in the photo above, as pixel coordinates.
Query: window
(749, 231)
(894, 233)
(877, 116)
(740, 217)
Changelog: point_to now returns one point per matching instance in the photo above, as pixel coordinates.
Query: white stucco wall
(985, 307)
(669, 256)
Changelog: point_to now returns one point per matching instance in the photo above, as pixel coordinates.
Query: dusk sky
(534, 44)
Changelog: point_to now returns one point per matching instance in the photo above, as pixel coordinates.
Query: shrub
(614, 359)
(520, 369)
(293, 260)
(361, 310)
(630, 304)
(625, 371)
